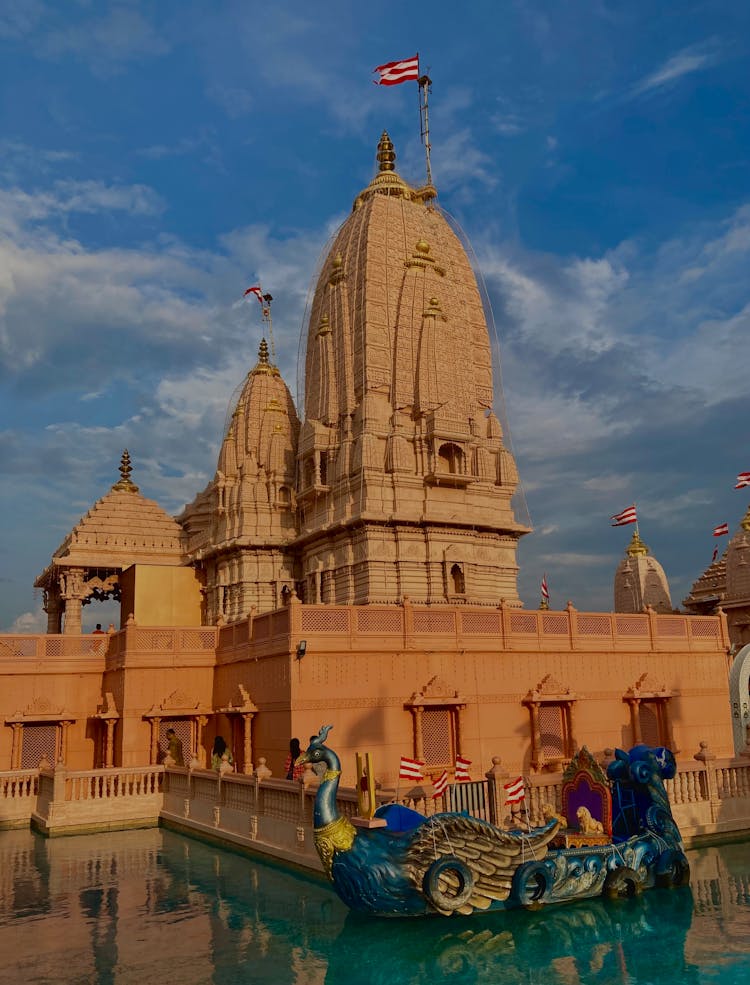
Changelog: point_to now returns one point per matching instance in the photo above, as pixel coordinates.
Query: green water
(154, 907)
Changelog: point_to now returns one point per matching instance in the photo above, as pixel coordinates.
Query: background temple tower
(240, 526)
(726, 584)
(404, 483)
(640, 581)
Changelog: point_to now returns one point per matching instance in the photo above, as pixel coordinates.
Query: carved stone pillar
(17, 745)
(53, 608)
(154, 753)
(247, 747)
(536, 736)
(418, 740)
(62, 754)
(200, 723)
(109, 747)
(572, 746)
(73, 592)
(635, 720)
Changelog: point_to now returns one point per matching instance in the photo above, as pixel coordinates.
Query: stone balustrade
(18, 796)
(274, 817)
(82, 801)
(413, 626)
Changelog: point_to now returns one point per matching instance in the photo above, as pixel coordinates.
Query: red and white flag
(722, 530)
(462, 769)
(256, 291)
(410, 769)
(440, 785)
(743, 479)
(627, 516)
(545, 589)
(514, 791)
(393, 73)
(715, 554)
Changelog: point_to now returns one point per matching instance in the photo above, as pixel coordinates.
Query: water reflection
(596, 941)
(132, 906)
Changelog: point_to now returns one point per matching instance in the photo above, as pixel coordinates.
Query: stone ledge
(311, 865)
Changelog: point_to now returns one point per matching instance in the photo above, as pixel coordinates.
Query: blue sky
(156, 158)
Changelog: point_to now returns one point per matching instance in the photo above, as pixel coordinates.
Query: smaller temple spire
(125, 484)
(386, 153)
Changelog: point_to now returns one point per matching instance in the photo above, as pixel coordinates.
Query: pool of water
(154, 907)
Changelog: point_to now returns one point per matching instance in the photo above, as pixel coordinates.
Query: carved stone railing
(274, 817)
(49, 647)
(18, 796)
(82, 801)
(414, 626)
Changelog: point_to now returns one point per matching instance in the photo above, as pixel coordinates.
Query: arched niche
(739, 698)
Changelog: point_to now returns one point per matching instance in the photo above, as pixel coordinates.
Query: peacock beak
(301, 759)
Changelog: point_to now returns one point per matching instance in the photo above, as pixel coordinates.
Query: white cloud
(29, 623)
(685, 62)
(107, 42)
(19, 17)
(67, 196)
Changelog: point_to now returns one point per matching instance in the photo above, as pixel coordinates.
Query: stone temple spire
(640, 581)
(403, 483)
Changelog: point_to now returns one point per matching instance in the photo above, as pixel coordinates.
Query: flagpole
(267, 299)
(425, 86)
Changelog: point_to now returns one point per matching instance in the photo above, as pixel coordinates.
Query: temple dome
(240, 527)
(251, 495)
(640, 581)
(122, 528)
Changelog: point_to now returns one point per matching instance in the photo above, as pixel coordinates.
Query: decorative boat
(454, 863)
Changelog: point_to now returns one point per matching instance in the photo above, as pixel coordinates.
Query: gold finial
(125, 484)
(422, 246)
(386, 153)
(636, 547)
(338, 261)
(745, 521)
(263, 366)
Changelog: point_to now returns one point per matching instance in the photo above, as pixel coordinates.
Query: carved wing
(489, 853)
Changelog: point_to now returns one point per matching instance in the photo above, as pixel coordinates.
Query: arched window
(450, 459)
(285, 497)
(457, 578)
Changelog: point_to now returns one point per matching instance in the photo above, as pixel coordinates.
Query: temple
(725, 586)
(640, 580)
(359, 565)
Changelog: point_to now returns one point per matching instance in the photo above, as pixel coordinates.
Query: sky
(158, 158)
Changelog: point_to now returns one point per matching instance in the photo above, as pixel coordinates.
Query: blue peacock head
(316, 752)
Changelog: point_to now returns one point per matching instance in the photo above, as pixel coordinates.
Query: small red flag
(743, 479)
(514, 791)
(721, 530)
(256, 291)
(715, 554)
(410, 769)
(440, 785)
(462, 769)
(393, 73)
(627, 516)
(545, 590)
